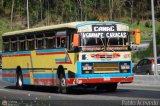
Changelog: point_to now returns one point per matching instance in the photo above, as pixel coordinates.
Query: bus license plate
(106, 78)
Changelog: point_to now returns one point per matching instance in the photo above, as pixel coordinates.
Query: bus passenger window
(30, 44)
(5, 46)
(40, 43)
(21, 43)
(50, 42)
(14, 44)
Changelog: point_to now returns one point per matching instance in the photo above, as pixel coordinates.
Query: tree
(12, 13)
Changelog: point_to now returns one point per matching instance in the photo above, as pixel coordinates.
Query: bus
(88, 53)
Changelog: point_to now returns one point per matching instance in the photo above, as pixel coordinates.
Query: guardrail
(146, 80)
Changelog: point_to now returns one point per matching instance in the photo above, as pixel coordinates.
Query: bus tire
(112, 87)
(19, 83)
(100, 87)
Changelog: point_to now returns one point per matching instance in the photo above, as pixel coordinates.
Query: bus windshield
(102, 40)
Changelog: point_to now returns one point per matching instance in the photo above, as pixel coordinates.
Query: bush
(147, 24)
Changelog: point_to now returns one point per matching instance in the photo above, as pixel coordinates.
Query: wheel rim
(20, 81)
(63, 82)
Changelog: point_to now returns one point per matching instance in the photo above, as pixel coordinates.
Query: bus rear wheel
(19, 83)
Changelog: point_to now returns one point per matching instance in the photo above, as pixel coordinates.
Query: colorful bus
(90, 53)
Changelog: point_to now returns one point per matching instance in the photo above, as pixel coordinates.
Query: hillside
(48, 12)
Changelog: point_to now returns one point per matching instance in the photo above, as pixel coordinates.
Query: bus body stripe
(45, 75)
(45, 81)
(14, 75)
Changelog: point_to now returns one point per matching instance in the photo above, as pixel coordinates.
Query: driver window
(61, 42)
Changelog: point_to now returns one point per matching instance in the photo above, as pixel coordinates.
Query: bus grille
(106, 68)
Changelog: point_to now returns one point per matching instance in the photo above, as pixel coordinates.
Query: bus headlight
(124, 67)
(87, 68)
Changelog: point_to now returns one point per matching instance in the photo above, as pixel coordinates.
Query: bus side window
(14, 44)
(30, 42)
(50, 42)
(6, 46)
(70, 42)
(61, 42)
(39, 41)
(21, 43)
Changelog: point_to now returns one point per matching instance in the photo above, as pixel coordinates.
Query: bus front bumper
(78, 81)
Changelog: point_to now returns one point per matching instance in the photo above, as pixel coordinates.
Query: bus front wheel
(19, 83)
(62, 86)
(112, 87)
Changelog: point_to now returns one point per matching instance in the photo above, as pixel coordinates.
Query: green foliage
(5, 27)
(49, 12)
(149, 52)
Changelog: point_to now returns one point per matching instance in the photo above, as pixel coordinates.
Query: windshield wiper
(108, 46)
(103, 43)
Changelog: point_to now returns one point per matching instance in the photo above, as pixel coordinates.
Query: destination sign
(104, 28)
(115, 34)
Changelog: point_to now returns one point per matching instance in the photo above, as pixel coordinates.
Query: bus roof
(58, 26)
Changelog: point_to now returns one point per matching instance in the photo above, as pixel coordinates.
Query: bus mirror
(76, 40)
(137, 36)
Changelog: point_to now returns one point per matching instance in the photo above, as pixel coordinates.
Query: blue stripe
(11, 80)
(44, 75)
(86, 61)
(14, 71)
(12, 53)
(8, 71)
(80, 75)
(60, 60)
(26, 80)
(25, 71)
(51, 50)
(79, 67)
(59, 33)
(104, 75)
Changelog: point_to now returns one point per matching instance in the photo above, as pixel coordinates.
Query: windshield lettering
(116, 35)
(92, 35)
(111, 28)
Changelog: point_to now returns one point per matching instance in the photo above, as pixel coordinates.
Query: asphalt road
(48, 96)
(91, 96)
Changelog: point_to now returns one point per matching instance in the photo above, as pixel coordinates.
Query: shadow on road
(121, 93)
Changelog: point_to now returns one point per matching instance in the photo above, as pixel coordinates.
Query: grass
(146, 32)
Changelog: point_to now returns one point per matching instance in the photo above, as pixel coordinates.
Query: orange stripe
(14, 75)
(8, 75)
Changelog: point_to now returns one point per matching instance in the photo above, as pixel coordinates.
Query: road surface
(48, 96)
